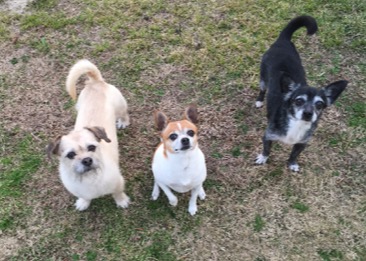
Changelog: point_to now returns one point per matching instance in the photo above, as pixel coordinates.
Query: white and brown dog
(89, 165)
(178, 162)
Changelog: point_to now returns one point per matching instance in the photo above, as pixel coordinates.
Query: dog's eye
(91, 148)
(299, 102)
(173, 136)
(190, 133)
(319, 105)
(71, 155)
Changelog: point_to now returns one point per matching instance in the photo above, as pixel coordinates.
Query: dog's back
(283, 56)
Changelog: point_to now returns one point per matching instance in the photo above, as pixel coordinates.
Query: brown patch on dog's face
(179, 136)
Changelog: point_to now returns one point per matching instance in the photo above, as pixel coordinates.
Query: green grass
(301, 207)
(17, 166)
(329, 255)
(258, 223)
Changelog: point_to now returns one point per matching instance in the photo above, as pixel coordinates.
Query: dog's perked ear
(286, 83)
(333, 90)
(161, 120)
(99, 133)
(191, 113)
(54, 147)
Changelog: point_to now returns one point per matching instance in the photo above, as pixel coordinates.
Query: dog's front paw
(82, 204)
(123, 201)
(261, 159)
(294, 167)
(202, 194)
(155, 194)
(192, 209)
(122, 124)
(173, 201)
(258, 104)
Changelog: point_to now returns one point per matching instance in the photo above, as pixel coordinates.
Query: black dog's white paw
(294, 167)
(261, 159)
(258, 104)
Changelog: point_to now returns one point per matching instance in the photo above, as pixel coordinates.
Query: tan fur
(100, 105)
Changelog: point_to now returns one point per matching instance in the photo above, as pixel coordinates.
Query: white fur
(99, 104)
(258, 104)
(261, 159)
(294, 167)
(296, 131)
(182, 172)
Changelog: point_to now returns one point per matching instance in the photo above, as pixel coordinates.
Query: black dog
(293, 107)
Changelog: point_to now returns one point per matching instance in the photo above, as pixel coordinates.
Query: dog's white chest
(181, 173)
(296, 131)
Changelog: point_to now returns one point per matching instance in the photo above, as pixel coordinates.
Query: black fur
(283, 77)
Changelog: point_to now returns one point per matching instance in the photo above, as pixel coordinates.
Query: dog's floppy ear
(54, 147)
(333, 90)
(99, 133)
(191, 113)
(161, 120)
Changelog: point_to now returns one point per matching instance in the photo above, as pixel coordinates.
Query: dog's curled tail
(80, 68)
(296, 23)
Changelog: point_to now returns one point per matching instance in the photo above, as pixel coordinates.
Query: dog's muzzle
(307, 116)
(185, 144)
(86, 165)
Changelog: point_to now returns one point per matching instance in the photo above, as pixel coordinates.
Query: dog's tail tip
(81, 67)
(301, 21)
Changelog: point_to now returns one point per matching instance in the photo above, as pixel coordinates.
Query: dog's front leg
(172, 198)
(262, 158)
(82, 204)
(192, 207)
(296, 150)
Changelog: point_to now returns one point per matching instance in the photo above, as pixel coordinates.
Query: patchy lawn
(167, 54)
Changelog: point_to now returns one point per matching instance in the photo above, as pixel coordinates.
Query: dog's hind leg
(262, 92)
(121, 110)
(296, 150)
(262, 158)
(123, 119)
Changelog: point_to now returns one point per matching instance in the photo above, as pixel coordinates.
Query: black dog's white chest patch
(297, 132)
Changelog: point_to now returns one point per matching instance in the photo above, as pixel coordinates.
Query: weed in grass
(259, 223)
(41, 45)
(274, 174)
(300, 206)
(236, 151)
(216, 155)
(91, 255)
(14, 61)
(330, 255)
(159, 247)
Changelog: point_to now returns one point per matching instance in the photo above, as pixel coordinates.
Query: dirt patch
(16, 6)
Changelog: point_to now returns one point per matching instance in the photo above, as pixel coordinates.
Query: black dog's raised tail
(300, 21)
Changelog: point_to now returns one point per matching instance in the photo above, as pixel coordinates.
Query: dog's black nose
(307, 115)
(185, 141)
(87, 161)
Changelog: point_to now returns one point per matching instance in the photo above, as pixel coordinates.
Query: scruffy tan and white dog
(178, 162)
(88, 155)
